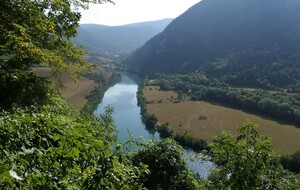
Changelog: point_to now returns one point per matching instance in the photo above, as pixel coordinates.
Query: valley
(185, 117)
(206, 100)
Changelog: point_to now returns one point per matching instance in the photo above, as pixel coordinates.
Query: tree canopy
(247, 43)
(247, 162)
(38, 32)
(44, 144)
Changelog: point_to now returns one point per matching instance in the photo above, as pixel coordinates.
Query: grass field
(154, 94)
(74, 92)
(184, 117)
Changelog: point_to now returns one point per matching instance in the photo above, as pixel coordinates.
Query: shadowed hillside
(99, 39)
(236, 40)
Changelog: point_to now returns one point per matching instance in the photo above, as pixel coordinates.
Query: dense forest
(248, 43)
(46, 144)
(279, 105)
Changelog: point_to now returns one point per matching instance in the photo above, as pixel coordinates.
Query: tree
(165, 84)
(291, 162)
(50, 147)
(179, 95)
(37, 33)
(168, 169)
(247, 162)
(150, 121)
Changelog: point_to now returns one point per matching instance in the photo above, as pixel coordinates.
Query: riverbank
(126, 115)
(96, 95)
(85, 93)
(163, 128)
(204, 120)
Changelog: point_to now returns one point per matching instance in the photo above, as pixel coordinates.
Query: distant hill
(99, 39)
(239, 41)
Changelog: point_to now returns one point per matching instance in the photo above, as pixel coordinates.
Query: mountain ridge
(99, 39)
(227, 30)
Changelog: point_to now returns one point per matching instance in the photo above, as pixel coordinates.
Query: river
(126, 115)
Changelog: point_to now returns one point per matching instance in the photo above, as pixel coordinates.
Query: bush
(48, 147)
(21, 88)
(168, 170)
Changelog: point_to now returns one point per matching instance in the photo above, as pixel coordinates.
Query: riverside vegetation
(45, 144)
(198, 86)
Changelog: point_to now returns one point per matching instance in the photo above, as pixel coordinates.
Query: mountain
(229, 39)
(99, 39)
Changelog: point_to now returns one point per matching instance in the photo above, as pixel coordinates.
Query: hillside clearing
(73, 92)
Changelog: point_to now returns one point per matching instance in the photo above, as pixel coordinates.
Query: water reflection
(122, 97)
(126, 115)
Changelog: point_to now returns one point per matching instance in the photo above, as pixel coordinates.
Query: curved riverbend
(126, 115)
(122, 97)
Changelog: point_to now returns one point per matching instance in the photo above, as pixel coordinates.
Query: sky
(133, 11)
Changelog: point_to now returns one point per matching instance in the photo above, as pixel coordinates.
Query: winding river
(126, 115)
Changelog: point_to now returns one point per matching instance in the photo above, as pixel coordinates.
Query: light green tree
(168, 169)
(247, 162)
(37, 32)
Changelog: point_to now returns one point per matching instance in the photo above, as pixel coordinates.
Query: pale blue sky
(132, 11)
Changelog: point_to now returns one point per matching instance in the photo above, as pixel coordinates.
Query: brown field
(73, 92)
(184, 117)
(152, 93)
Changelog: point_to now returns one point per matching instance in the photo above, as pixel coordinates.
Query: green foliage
(278, 104)
(168, 170)
(164, 130)
(48, 147)
(291, 162)
(179, 95)
(248, 43)
(184, 140)
(149, 120)
(37, 33)
(95, 97)
(247, 162)
(196, 144)
(256, 69)
(43, 143)
(21, 88)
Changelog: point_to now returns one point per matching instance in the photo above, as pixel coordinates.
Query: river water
(127, 118)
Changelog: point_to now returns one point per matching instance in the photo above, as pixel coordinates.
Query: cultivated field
(184, 117)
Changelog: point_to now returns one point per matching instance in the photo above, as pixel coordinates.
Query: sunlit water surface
(127, 118)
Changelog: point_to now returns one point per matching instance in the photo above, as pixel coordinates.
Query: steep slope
(222, 36)
(100, 39)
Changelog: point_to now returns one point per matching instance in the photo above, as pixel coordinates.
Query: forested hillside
(100, 39)
(250, 43)
(45, 144)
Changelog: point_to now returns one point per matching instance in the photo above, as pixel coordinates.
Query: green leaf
(56, 137)
(73, 153)
(28, 151)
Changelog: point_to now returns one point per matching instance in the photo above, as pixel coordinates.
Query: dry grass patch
(73, 92)
(184, 117)
(153, 93)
